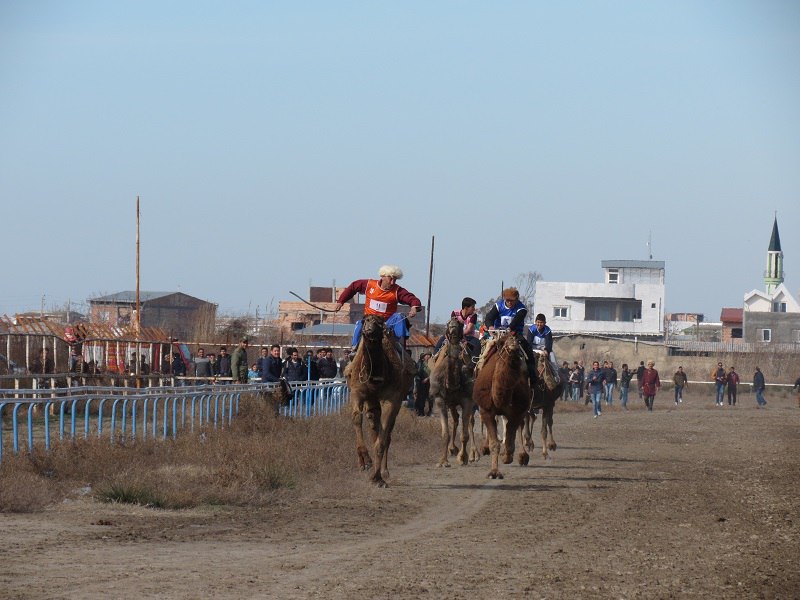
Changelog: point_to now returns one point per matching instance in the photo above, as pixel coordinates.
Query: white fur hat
(390, 271)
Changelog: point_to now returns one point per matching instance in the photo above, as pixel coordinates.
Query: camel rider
(509, 313)
(381, 297)
(469, 318)
(540, 337)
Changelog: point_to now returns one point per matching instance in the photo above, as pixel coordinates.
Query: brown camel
(451, 388)
(379, 379)
(545, 393)
(501, 389)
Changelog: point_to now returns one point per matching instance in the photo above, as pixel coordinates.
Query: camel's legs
(510, 439)
(364, 460)
(548, 442)
(452, 443)
(388, 417)
(378, 442)
(466, 412)
(440, 406)
(474, 454)
(524, 439)
(494, 444)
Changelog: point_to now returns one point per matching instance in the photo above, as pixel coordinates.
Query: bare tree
(526, 284)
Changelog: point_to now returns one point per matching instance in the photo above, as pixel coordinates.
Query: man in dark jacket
(293, 367)
(327, 366)
(271, 373)
(759, 385)
(223, 363)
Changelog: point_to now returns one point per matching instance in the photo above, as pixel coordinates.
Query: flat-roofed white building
(629, 302)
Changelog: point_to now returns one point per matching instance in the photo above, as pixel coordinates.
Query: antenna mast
(430, 285)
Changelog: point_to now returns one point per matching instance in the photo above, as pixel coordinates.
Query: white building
(772, 316)
(630, 302)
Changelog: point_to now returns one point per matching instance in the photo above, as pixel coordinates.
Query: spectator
(563, 375)
(624, 385)
(732, 380)
(202, 366)
(681, 381)
(639, 375)
(224, 363)
(293, 368)
(759, 385)
(212, 361)
(611, 382)
(253, 376)
(720, 379)
(326, 365)
(178, 367)
(311, 369)
(575, 382)
(594, 379)
(272, 374)
(650, 384)
(239, 361)
(262, 362)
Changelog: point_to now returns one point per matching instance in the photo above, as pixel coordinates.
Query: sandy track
(693, 502)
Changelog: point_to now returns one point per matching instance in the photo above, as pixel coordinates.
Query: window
(613, 276)
(779, 307)
(766, 335)
(736, 333)
(561, 312)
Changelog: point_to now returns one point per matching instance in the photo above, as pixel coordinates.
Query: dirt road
(695, 501)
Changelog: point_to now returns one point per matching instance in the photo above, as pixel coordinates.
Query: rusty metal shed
(23, 337)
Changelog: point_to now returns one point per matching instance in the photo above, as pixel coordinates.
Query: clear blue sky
(280, 144)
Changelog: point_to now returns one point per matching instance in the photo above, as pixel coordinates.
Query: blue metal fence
(128, 414)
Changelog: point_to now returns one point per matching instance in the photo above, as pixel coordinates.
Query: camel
(545, 393)
(501, 389)
(451, 388)
(379, 379)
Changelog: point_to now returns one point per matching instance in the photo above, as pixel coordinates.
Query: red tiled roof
(732, 315)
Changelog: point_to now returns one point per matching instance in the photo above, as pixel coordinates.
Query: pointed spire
(775, 240)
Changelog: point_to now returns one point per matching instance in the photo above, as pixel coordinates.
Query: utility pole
(430, 285)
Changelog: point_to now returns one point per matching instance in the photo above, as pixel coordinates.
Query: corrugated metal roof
(732, 315)
(83, 331)
(130, 296)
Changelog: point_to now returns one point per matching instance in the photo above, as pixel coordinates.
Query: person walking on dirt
(639, 375)
(719, 382)
(732, 380)
(759, 385)
(681, 381)
(650, 384)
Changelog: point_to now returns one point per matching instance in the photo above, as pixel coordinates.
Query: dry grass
(244, 465)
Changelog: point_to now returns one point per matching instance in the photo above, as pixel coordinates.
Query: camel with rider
(451, 382)
(379, 377)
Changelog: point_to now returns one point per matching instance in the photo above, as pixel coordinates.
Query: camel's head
(372, 330)
(455, 331)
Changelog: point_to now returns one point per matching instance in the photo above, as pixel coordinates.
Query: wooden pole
(430, 286)
(136, 325)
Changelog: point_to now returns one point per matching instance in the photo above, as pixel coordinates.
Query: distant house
(179, 314)
(731, 319)
(629, 302)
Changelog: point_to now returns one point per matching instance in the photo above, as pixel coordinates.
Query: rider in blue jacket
(509, 313)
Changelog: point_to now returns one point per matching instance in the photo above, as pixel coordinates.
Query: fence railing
(34, 417)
